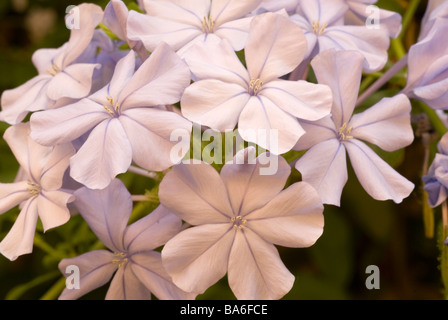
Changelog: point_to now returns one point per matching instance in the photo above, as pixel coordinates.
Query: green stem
(41, 244)
(55, 290)
(408, 16)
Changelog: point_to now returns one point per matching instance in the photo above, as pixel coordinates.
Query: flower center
(318, 28)
(208, 25)
(344, 132)
(112, 109)
(121, 259)
(238, 222)
(255, 86)
(53, 70)
(34, 188)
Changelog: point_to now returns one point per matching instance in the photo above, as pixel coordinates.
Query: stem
(55, 290)
(139, 198)
(383, 79)
(41, 244)
(142, 172)
(436, 122)
(408, 16)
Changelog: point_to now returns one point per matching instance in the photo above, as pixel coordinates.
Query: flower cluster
(284, 75)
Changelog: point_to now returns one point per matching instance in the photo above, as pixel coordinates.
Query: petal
(31, 156)
(51, 174)
(20, 237)
(152, 231)
(214, 103)
(315, 132)
(324, 166)
(124, 70)
(149, 132)
(248, 188)
(149, 270)
(13, 194)
(43, 59)
(30, 96)
(88, 16)
(106, 153)
(292, 219)
(196, 193)
(217, 61)
(236, 32)
(95, 270)
(74, 82)
(52, 207)
(301, 99)
(67, 123)
(379, 179)
(151, 31)
(371, 43)
(324, 11)
(328, 67)
(388, 19)
(183, 11)
(275, 47)
(107, 212)
(160, 80)
(197, 257)
(115, 18)
(256, 271)
(264, 123)
(387, 124)
(223, 11)
(126, 286)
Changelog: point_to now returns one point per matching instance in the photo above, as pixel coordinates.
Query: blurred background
(362, 232)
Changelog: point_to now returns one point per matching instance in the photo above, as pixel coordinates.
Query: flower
(225, 93)
(427, 69)
(61, 77)
(37, 189)
(123, 120)
(386, 124)
(137, 266)
(322, 21)
(436, 180)
(237, 217)
(181, 23)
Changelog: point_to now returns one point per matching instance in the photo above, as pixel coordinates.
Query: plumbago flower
(61, 77)
(428, 69)
(37, 189)
(226, 93)
(386, 124)
(123, 120)
(436, 180)
(181, 23)
(322, 21)
(132, 260)
(237, 216)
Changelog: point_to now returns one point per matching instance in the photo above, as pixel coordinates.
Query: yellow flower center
(121, 259)
(34, 188)
(255, 86)
(318, 28)
(53, 70)
(111, 109)
(208, 25)
(344, 132)
(238, 222)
